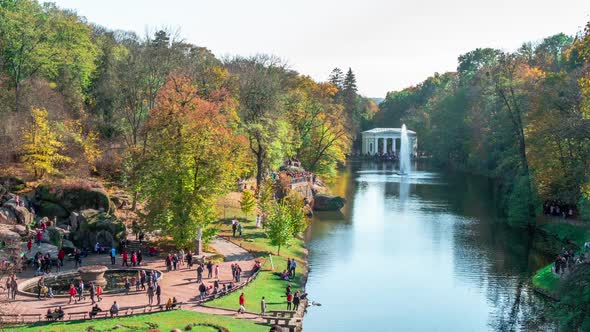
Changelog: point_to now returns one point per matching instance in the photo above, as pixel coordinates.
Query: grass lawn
(267, 284)
(545, 279)
(164, 322)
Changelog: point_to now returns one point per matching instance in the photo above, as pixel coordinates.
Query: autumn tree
(247, 202)
(193, 158)
(42, 148)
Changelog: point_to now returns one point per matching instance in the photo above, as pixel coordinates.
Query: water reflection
(419, 253)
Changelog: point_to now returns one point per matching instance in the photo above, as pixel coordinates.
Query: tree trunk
(199, 242)
(259, 161)
(17, 97)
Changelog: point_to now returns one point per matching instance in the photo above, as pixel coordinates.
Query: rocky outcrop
(96, 226)
(323, 202)
(60, 200)
(11, 183)
(11, 214)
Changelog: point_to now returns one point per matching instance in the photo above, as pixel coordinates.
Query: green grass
(546, 280)
(267, 284)
(165, 322)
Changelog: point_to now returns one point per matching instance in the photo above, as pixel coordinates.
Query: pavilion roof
(387, 131)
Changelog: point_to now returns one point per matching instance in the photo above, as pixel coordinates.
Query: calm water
(424, 253)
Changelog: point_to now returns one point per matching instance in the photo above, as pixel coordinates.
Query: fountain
(94, 274)
(404, 153)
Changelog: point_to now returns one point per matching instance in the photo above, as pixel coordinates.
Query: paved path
(231, 251)
(180, 284)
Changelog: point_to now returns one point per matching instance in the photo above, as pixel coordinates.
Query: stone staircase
(134, 245)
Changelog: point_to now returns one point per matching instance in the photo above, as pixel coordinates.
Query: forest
(521, 118)
(77, 98)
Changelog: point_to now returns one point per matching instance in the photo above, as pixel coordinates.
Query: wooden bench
(31, 317)
(82, 314)
(9, 318)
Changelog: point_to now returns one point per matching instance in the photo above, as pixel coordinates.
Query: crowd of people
(559, 209)
(568, 258)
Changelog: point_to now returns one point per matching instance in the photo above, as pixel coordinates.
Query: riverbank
(568, 234)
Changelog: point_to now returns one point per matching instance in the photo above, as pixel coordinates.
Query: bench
(79, 313)
(281, 313)
(31, 317)
(9, 318)
(277, 320)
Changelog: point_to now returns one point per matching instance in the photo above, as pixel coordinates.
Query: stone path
(231, 251)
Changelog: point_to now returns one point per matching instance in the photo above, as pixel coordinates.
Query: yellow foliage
(87, 141)
(584, 83)
(41, 151)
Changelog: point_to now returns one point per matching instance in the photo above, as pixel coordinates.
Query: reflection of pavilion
(386, 140)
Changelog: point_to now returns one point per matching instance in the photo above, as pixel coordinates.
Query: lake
(423, 252)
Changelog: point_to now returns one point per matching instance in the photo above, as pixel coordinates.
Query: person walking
(72, 294)
(203, 291)
(289, 301)
(60, 256)
(40, 285)
(168, 263)
(127, 285)
(125, 257)
(139, 257)
(98, 293)
(242, 302)
(174, 261)
(296, 301)
(209, 270)
(240, 229)
(92, 292)
(293, 266)
(13, 287)
(113, 255)
(262, 307)
(234, 226)
(81, 291)
(189, 260)
(158, 293)
(150, 294)
(77, 258)
(200, 273)
(217, 271)
(29, 244)
(133, 258)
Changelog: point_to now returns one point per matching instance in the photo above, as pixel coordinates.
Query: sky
(389, 44)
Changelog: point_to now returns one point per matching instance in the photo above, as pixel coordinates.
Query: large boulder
(75, 198)
(7, 216)
(98, 227)
(323, 202)
(10, 213)
(51, 210)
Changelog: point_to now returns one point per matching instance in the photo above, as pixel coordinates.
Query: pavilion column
(385, 145)
(394, 145)
(375, 145)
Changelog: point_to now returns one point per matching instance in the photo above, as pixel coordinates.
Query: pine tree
(337, 78)
(349, 92)
(42, 145)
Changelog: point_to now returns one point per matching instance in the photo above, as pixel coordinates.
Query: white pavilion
(379, 141)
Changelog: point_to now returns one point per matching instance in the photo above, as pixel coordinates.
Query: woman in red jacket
(72, 294)
(125, 257)
(242, 307)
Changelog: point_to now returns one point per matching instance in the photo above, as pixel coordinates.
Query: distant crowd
(559, 209)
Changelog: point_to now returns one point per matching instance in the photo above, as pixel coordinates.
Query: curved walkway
(231, 251)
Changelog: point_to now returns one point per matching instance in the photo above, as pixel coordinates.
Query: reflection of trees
(506, 257)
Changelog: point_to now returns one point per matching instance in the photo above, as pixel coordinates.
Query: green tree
(285, 221)
(248, 202)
